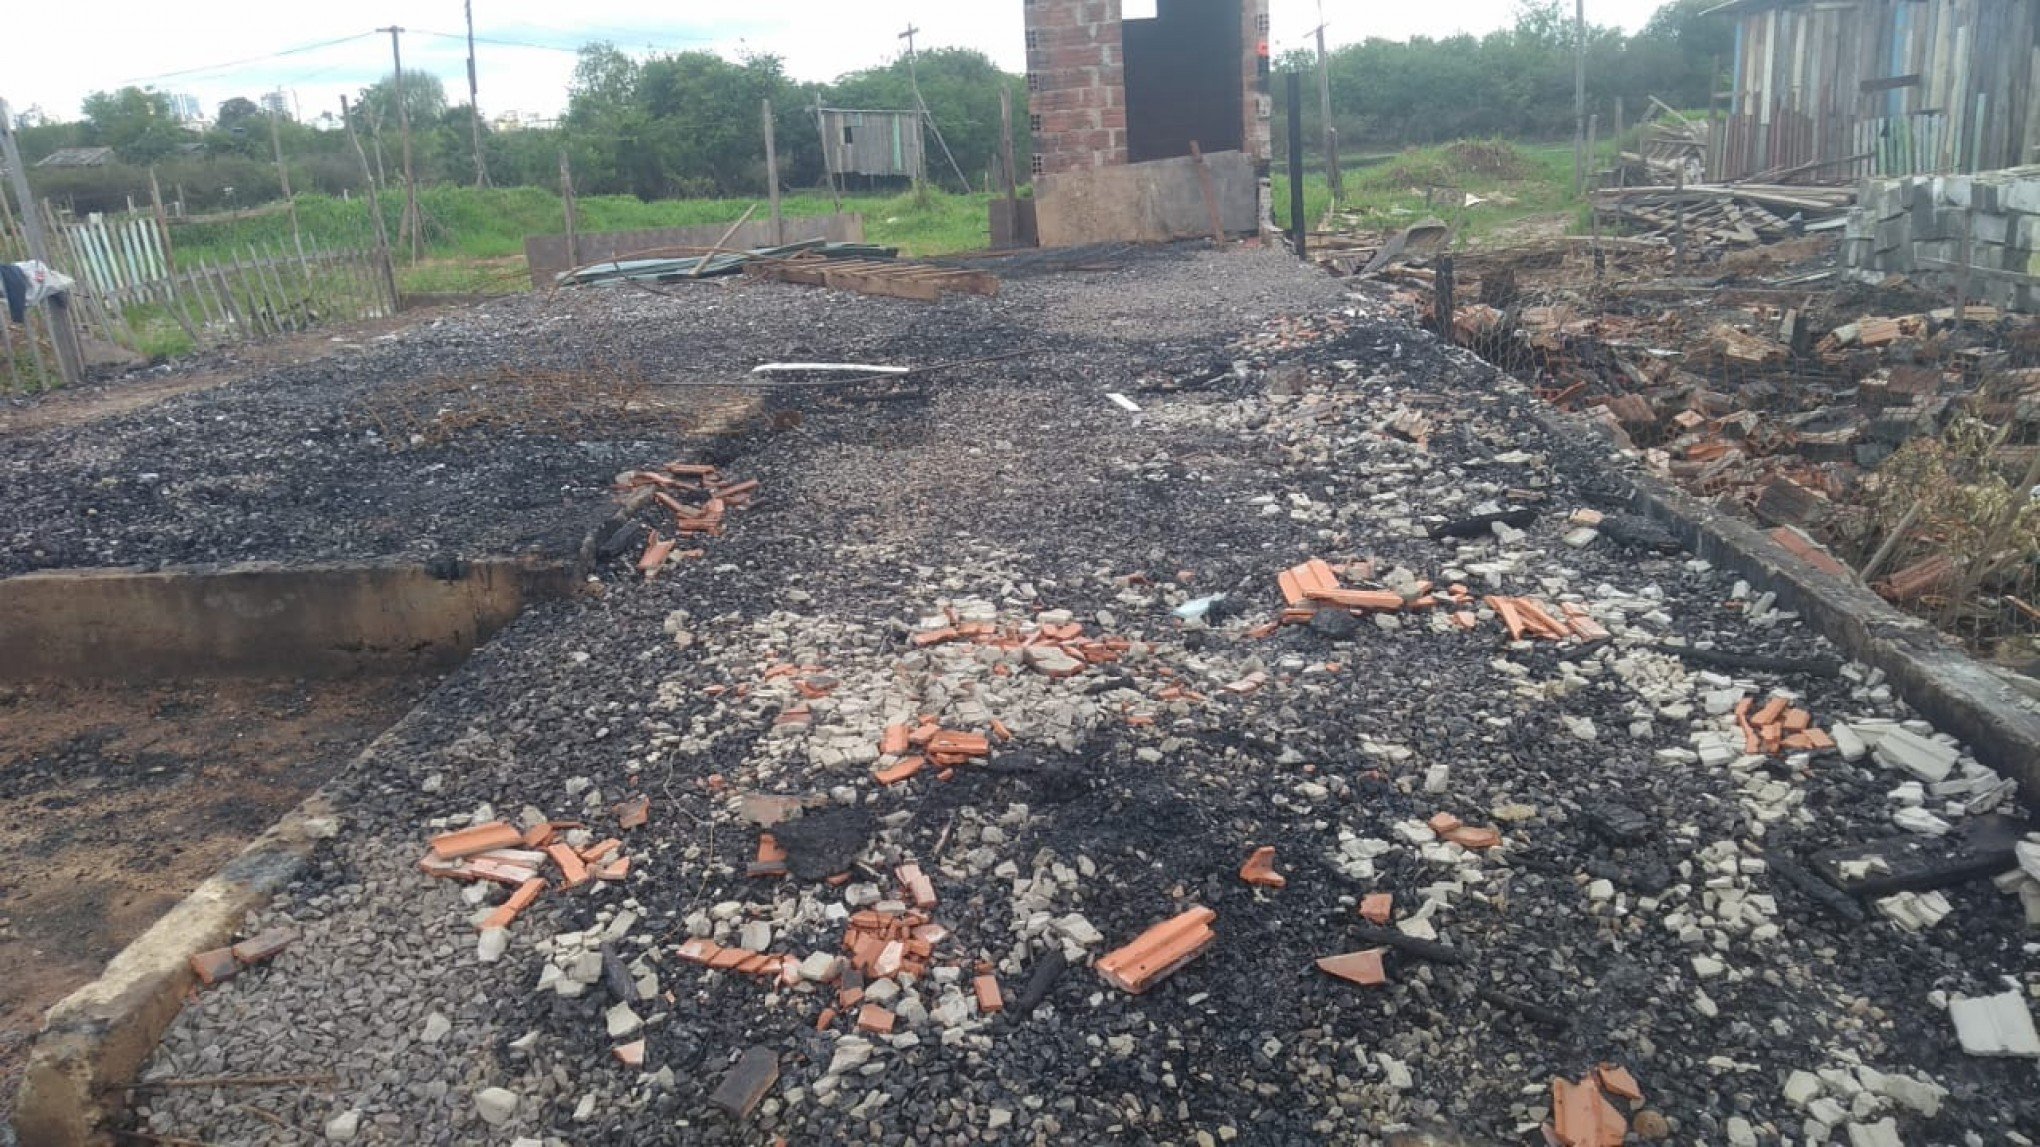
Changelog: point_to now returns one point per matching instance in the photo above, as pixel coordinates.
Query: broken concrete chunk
(741, 1090)
(1908, 752)
(496, 1105)
(1999, 1025)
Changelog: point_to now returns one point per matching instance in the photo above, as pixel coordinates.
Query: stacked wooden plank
(899, 280)
(1736, 215)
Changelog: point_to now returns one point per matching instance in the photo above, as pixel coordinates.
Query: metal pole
(475, 100)
(1298, 226)
(70, 359)
(1579, 96)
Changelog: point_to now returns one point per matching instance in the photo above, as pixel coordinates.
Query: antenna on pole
(921, 106)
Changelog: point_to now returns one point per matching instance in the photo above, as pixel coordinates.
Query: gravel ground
(1281, 420)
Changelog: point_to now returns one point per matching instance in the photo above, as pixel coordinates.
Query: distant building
(78, 157)
(279, 103)
(185, 108)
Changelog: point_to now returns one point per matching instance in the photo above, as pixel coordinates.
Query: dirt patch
(124, 798)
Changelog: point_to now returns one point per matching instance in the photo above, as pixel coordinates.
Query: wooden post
(283, 179)
(382, 234)
(1593, 145)
(1968, 262)
(567, 204)
(772, 179)
(828, 164)
(410, 225)
(63, 333)
(1579, 96)
(162, 223)
(1012, 181)
(1324, 74)
(1442, 304)
(1621, 168)
(1299, 227)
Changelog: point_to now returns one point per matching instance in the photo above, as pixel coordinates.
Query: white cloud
(215, 49)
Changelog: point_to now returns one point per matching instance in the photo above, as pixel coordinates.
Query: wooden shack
(876, 143)
(1837, 90)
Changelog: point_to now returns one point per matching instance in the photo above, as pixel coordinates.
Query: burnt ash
(1020, 474)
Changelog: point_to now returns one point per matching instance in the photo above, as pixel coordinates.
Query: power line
(297, 51)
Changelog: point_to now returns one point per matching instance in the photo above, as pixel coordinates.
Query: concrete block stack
(1914, 226)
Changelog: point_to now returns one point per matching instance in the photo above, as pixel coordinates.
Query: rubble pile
(1364, 876)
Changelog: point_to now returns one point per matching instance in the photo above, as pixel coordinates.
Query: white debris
(496, 1105)
(1999, 1025)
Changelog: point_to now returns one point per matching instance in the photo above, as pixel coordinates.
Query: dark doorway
(1185, 80)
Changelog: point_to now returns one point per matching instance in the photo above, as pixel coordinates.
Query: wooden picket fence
(131, 288)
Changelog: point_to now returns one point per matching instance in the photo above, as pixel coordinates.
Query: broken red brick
(920, 890)
(264, 946)
(1378, 907)
(615, 870)
(1159, 951)
(216, 965)
(635, 812)
(697, 950)
(480, 838)
(894, 742)
(1363, 967)
(1616, 1080)
(574, 872)
(1000, 731)
(655, 555)
(631, 1054)
(599, 851)
(1444, 822)
(874, 1019)
(1582, 1117)
(1771, 712)
(900, 772)
(500, 872)
(507, 913)
(1259, 869)
(771, 860)
(935, 637)
(959, 744)
(539, 835)
(1477, 839)
(989, 1000)
(1797, 720)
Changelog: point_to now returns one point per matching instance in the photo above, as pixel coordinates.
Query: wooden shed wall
(1801, 71)
(881, 142)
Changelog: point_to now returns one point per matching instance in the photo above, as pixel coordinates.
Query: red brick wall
(1076, 84)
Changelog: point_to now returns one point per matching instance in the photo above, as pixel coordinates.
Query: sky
(217, 49)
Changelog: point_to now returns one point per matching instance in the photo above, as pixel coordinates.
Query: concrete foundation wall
(1145, 202)
(1914, 226)
(330, 620)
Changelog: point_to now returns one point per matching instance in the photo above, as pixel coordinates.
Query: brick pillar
(1076, 84)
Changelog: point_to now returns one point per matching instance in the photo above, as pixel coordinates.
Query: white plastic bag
(44, 282)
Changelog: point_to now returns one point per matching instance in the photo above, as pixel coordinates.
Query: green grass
(464, 225)
(1517, 181)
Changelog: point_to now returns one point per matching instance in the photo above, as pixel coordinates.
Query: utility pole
(410, 225)
(1324, 79)
(772, 179)
(475, 100)
(1579, 182)
(921, 105)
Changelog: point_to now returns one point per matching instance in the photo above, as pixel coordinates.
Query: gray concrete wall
(1914, 226)
(323, 620)
(1145, 202)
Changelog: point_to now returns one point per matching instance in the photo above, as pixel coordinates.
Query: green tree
(136, 123)
(235, 112)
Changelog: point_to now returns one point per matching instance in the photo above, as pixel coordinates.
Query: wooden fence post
(70, 359)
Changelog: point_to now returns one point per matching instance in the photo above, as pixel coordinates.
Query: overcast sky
(214, 49)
